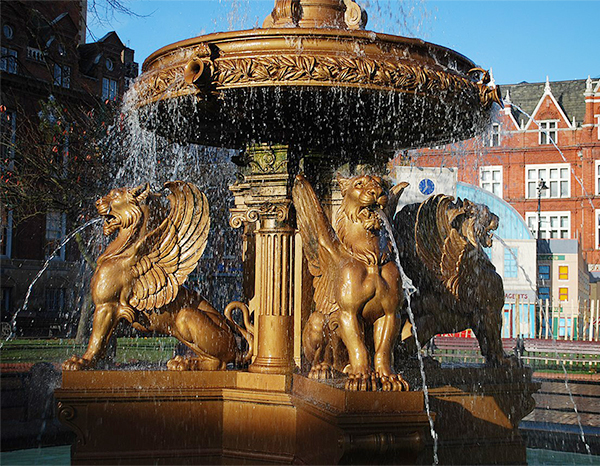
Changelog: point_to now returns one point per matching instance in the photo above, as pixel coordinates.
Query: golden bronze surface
(310, 68)
(357, 285)
(237, 417)
(442, 243)
(139, 278)
(273, 58)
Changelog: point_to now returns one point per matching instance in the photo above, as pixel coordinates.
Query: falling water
(525, 274)
(13, 323)
(556, 349)
(409, 288)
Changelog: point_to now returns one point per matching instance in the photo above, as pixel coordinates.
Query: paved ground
(567, 413)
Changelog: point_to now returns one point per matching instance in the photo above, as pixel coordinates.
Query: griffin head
(121, 207)
(362, 196)
(479, 224)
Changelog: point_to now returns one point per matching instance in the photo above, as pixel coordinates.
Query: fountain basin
(332, 89)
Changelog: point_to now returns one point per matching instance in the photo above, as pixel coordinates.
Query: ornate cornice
(212, 76)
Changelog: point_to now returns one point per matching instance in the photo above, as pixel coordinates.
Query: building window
(553, 224)
(598, 177)
(563, 272)
(55, 231)
(548, 132)
(8, 60)
(109, 64)
(8, 32)
(62, 76)
(544, 272)
(563, 294)
(8, 135)
(557, 178)
(491, 179)
(544, 293)
(109, 89)
(55, 300)
(495, 135)
(510, 263)
(5, 231)
(598, 229)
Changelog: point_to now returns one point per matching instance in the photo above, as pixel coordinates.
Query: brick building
(543, 146)
(46, 65)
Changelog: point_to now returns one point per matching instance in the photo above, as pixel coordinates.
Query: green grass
(153, 349)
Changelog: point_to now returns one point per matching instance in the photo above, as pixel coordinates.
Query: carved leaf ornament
(313, 70)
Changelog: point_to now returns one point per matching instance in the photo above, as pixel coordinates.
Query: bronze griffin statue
(441, 245)
(139, 279)
(358, 289)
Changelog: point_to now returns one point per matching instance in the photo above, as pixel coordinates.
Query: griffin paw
(393, 383)
(180, 363)
(321, 371)
(362, 382)
(75, 363)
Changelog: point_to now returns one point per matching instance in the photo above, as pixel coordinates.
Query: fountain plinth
(311, 92)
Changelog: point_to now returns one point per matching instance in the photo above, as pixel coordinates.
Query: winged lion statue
(358, 289)
(139, 278)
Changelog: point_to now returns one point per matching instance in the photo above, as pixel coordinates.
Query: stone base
(231, 417)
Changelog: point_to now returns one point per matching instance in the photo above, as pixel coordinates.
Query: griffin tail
(247, 331)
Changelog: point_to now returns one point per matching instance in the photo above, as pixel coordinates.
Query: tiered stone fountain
(313, 92)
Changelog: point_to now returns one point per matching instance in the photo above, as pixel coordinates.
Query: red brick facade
(522, 153)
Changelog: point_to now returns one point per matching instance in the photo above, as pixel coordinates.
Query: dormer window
(548, 132)
(109, 64)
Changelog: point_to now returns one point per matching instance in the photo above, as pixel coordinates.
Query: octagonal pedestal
(164, 417)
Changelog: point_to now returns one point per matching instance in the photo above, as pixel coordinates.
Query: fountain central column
(262, 205)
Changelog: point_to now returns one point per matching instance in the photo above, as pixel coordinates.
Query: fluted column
(263, 198)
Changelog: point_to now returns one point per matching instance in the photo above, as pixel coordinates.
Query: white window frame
(495, 132)
(533, 182)
(62, 232)
(8, 231)
(9, 60)
(489, 185)
(597, 177)
(110, 89)
(548, 134)
(597, 229)
(531, 218)
(62, 75)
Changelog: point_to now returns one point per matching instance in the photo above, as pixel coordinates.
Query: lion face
(121, 208)
(480, 224)
(363, 195)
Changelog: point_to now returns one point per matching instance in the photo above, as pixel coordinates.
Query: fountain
(312, 93)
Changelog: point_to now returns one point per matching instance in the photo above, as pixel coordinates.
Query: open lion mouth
(111, 223)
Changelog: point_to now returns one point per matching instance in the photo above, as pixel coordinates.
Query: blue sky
(519, 40)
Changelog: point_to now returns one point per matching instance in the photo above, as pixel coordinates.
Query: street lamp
(542, 186)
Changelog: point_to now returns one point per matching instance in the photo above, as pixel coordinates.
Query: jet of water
(13, 323)
(409, 289)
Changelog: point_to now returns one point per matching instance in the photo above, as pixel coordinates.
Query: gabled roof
(113, 37)
(568, 94)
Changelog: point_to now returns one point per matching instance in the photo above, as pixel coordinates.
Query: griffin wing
(169, 253)
(438, 244)
(321, 246)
